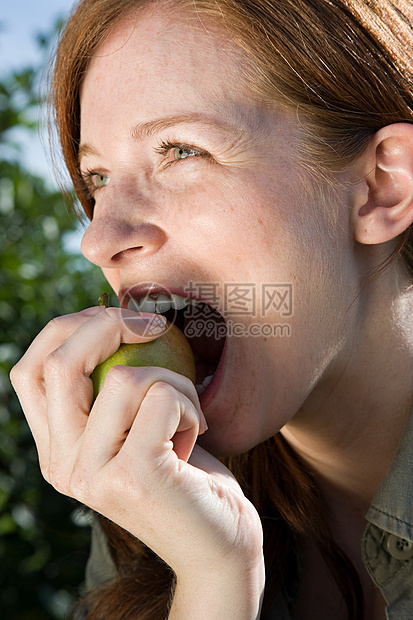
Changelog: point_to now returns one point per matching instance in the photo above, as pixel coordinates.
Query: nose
(111, 242)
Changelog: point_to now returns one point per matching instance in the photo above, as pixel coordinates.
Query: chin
(227, 442)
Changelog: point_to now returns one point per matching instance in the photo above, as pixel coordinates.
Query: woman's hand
(131, 456)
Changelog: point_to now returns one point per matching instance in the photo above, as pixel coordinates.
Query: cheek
(237, 216)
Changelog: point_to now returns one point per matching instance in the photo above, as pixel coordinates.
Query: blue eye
(100, 180)
(175, 152)
(94, 181)
(181, 152)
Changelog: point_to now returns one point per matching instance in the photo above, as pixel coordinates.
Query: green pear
(171, 350)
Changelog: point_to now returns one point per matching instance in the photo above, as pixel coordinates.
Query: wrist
(226, 593)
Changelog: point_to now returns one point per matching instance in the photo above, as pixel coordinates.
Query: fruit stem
(104, 300)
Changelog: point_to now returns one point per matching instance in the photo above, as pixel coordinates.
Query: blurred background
(44, 537)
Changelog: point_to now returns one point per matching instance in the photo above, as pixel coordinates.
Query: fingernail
(91, 311)
(151, 325)
(204, 425)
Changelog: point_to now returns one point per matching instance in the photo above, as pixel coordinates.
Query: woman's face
(199, 189)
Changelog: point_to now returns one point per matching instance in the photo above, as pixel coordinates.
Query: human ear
(387, 210)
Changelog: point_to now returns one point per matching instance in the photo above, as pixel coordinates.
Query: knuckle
(56, 324)
(22, 378)
(45, 469)
(118, 380)
(146, 375)
(56, 476)
(163, 391)
(162, 387)
(16, 375)
(111, 314)
(119, 375)
(55, 365)
(80, 485)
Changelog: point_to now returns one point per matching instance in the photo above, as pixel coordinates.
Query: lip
(140, 291)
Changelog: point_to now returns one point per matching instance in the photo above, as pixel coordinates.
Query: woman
(225, 144)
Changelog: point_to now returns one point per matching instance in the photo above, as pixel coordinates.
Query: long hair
(345, 67)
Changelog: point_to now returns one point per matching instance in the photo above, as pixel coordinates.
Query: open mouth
(203, 326)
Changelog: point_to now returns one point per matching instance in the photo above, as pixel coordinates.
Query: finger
(118, 404)
(51, 336)
(167, 425)
(69, 391)
(27, 375)
(95, 340)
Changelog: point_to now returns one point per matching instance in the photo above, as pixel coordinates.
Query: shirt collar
(392, 507)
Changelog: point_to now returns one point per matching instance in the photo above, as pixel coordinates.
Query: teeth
(200, 388)
(179, 303)
(147, 304)
(161, 303)
(207, 380)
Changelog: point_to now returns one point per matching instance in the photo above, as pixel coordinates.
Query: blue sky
(20, 22)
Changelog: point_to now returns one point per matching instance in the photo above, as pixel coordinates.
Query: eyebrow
(140, 131)
(84, 150)
(148, 129)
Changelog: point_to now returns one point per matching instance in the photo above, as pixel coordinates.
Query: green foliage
(17, 97)
(44, 540)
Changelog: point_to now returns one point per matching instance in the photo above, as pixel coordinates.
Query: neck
(349, 428)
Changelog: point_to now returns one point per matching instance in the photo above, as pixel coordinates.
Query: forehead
(168, 59)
